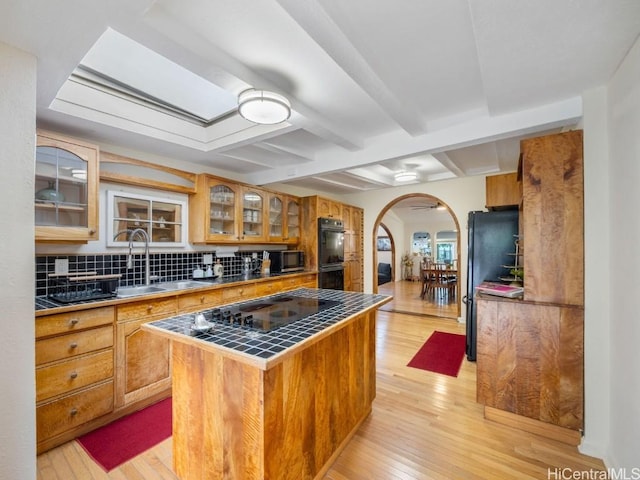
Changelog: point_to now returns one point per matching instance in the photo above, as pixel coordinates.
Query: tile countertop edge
(118, 301)
(255, 361)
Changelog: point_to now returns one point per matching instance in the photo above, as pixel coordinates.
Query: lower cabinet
(95, 365)
(74, 373)
(143, 360)
(530, 364)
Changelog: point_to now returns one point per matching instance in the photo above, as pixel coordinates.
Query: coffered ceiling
(444, 88)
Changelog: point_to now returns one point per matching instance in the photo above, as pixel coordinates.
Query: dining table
(438, 277)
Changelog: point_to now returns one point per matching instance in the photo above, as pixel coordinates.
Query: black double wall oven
(330, 253)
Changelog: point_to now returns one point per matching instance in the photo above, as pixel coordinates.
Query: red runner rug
(441, 353)
(128, 436)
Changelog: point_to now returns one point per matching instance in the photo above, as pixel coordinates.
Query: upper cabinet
(552, 219)
(66, 186)
(503, 191)
(329, 208)
(222, 211)
(284, 219)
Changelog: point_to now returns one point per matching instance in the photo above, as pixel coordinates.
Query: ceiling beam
(324, 31)
(474, 132)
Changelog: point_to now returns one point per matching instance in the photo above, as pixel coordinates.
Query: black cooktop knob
(226, 316)
(237, 318)
(248, 321)
(215, 314)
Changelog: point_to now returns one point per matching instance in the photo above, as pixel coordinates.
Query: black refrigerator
(491, 239)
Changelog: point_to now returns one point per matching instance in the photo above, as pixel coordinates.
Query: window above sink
(164, 219)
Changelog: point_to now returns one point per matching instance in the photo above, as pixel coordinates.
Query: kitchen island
(278, 404)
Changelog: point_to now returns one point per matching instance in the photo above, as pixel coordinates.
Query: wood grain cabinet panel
(65, 346)
(503, 191)
(143, 360)
(530, 360)
(553, 218)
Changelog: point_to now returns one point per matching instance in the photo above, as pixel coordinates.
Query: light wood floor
(406, 299)
(423, 426)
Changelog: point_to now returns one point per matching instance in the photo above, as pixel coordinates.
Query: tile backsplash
(166, 266)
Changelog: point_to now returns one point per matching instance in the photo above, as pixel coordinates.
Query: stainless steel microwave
(287, 261)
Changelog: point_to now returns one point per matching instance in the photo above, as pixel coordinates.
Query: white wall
(597, 273)
(17, 352)
(624, 168)
(462, 195)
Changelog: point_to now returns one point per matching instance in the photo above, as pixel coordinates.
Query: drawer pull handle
(73, 412)
(149, 308)
(73, 321)
(73, 345)
(202, 299)
(73, 375)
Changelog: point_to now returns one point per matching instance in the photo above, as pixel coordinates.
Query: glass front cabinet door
(253, 218)
(66, 189)
(292, 234)
(223, 201)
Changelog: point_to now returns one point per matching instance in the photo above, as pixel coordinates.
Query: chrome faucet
(145, 237)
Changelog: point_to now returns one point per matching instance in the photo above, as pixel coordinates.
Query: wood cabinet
(225, 212)
(284, 219)
(74, 372)
(552, 219)
(66, 189)
(530, 360)
(503, 191)
(314, 207)
(329, 208)
(530, 352)
(143, 360)
(353, 248)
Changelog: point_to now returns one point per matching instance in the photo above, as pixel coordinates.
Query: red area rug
(441, 353)
(129, 436)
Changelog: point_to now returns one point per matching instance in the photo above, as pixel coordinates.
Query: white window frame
(122, 240)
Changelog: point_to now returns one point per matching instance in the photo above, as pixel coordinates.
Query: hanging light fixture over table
(261, 106)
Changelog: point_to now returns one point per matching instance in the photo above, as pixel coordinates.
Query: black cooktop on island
(269, 313)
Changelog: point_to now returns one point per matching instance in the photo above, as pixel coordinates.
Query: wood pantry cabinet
(66, 186)
(530, 351)
(353, 248)
(74, 373)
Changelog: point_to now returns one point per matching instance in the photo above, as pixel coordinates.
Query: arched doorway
(392, 215)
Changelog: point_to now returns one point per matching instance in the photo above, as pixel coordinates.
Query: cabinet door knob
(73, 375)
(73, 321)
(73, 345)
(92, 231)
(202, 299)
(73, 412)
(149, 308)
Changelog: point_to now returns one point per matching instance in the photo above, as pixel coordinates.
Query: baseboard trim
(547, 430)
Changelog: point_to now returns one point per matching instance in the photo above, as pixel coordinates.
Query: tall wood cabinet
(353, 248)
(530, 352)
(314, 207)
(66, 189)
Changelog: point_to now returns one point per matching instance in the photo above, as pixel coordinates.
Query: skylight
(125, 67)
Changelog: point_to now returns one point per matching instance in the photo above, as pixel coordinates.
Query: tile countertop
(43, 303)
(265, 345)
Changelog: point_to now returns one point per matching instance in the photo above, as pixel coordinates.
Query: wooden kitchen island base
(287, 418)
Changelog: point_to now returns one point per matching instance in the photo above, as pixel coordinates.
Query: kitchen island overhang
(283, 412)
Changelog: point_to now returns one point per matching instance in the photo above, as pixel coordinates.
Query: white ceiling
(443, 87)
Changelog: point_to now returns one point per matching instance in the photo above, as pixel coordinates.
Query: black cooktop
(269, 313)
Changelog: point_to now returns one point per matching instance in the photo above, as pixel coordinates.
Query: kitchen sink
(181, 284)
(140, 290)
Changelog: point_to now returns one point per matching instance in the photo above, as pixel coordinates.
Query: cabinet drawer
(69, 412)
(303, 281)
(147, 309)
(268, 288)
(195, 301)
(232, 294)
(73, 374)
(73, 321)
(72, 344)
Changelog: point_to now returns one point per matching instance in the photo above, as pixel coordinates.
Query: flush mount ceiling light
(405, 176)
(260, 106)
